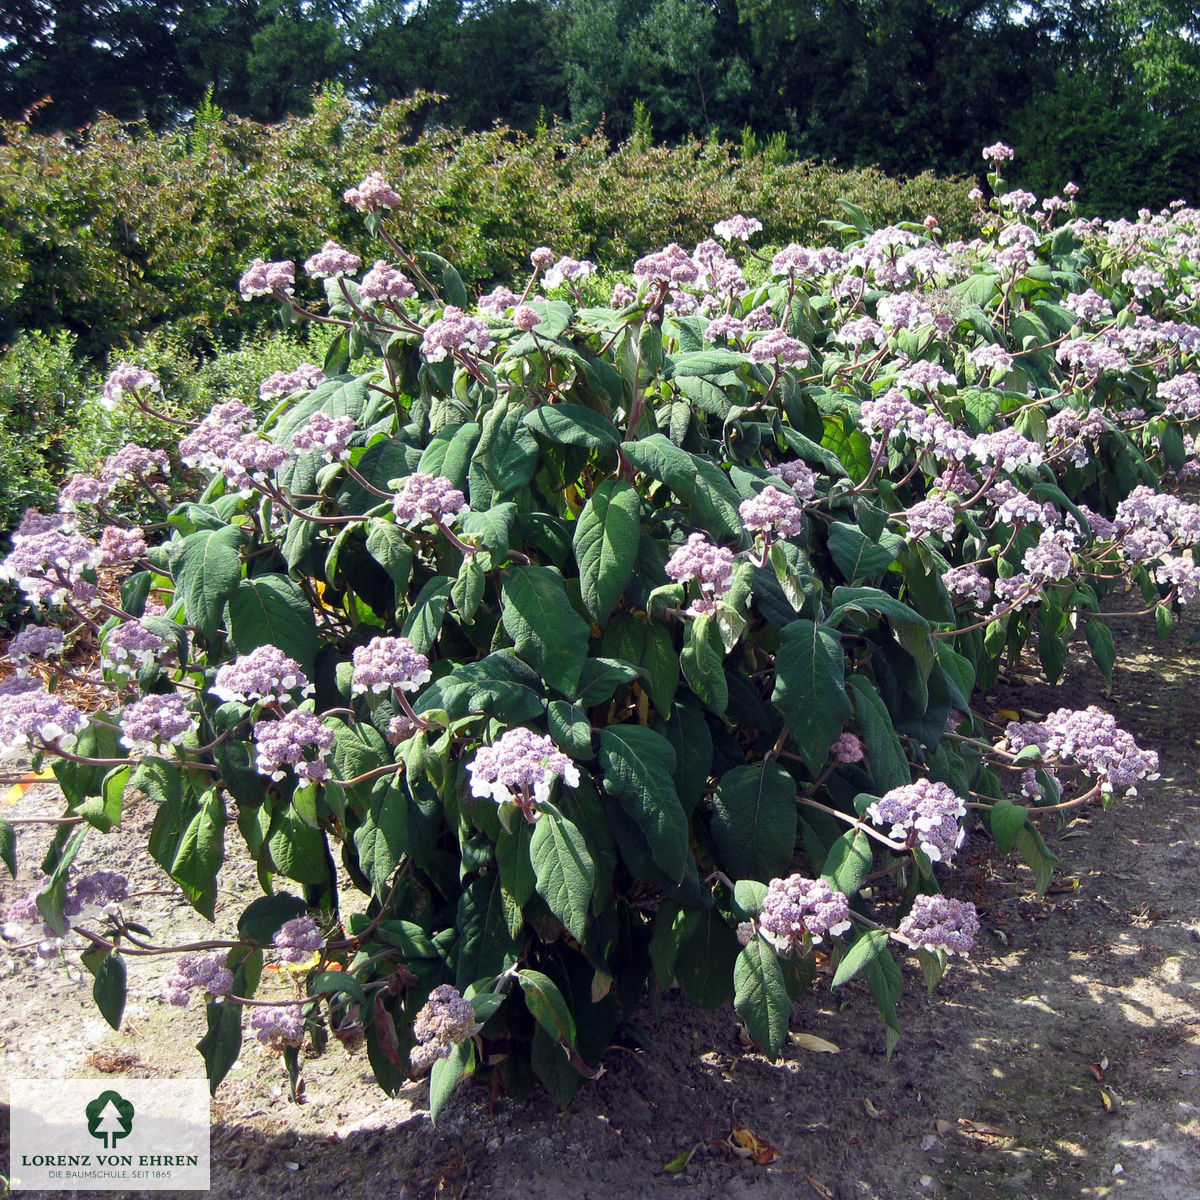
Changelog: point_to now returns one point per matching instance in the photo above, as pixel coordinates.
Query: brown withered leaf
(820, 1188)
(748, 1144)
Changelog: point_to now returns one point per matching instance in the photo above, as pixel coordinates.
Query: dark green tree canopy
(1106, 92)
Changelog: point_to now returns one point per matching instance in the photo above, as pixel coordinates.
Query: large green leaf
(382, 839)
(857, 556)
(449, 451)
(869, 945)
(222, 1042)
(546, 1003)
(810, 688)
(270, 610)
(703, 663)
(703, 964)
(108, 988)
(889, 767)
(201, 852)
(697, 481)
(208, 569)
(761, 997)
(424, 621)
(638, 765)
(446, 1073)
(754, 820)
(848, 862)
(573, 425)
(606, 545)
(500, 684)
(546, 631)
(388, 546)
(564, 871)
(484, 946)
(649, 644)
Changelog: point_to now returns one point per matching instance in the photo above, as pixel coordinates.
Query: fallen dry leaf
(810, 1041)
(820, 1188)
(748, 1144)
(874, 1113)
(980, 1127)
(1111, 1101)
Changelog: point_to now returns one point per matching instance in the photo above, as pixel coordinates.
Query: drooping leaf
(270, 610)
(754, 820)
(564, 871)
(606, 545)
(761, 997)
(546, 631)
(638, 764)
(208, 569)
(445, 1076)
(810, 688)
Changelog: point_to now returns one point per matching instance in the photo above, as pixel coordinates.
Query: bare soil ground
(991, 1093)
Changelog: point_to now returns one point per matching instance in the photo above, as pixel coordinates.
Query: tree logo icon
(109, 1117)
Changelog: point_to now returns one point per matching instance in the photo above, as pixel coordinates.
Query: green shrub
(117, 232)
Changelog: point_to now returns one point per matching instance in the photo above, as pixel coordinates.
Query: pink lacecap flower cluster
(670, 265)
(372, 194)
(941, 923)
(848, 748)
(298, 939)
(251, 460)
(1088, 306)
(48, 565)
(455, 332)
(445, 1020)
(998, 152)
(1181, 396)
(725, 328)
(268, 278)
(281, 1025)
(195, 972)
(285, 743)
(1053, 556)
(567, 270)
(120, 545)
(737, 227)
(773, 512)
(156, 721)
(525, 317)
(330, 435)
(521, 766)
(425, 498)
(214, 438)
(799, 476)
(131, 646)
(933, 516)
(284, 383)
(389, 662)
(923, 815)
(777, 347)
(1091, 739)
(34, 643)
(92, 895)
(709, 565)
(332, 262)
(127, 379)
(266, 674)
(796, 906)
(385, 282)
(499, 300)
(969, 583)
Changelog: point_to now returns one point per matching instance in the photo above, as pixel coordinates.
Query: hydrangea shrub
(596, 649)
